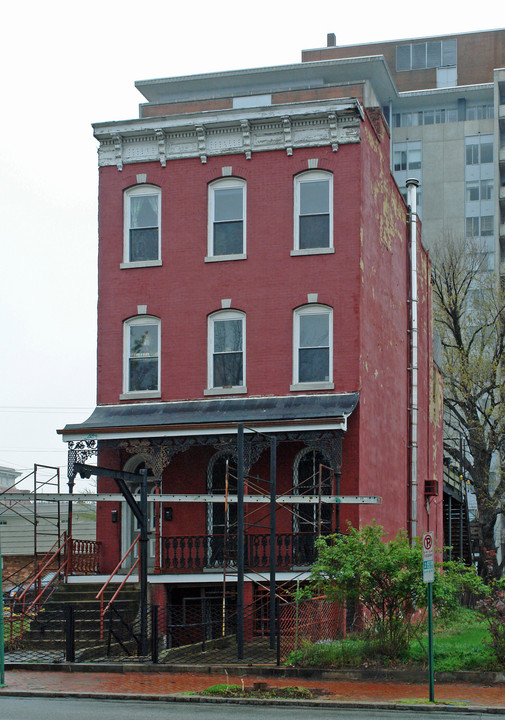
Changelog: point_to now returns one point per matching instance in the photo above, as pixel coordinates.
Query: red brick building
(255, 268)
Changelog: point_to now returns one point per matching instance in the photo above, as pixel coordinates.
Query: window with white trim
(227, 219)
(142, 224)
(141, 355)
(313, 221)
(226, 342)
(312, 347)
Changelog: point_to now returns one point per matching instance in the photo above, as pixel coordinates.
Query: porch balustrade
(193, 553)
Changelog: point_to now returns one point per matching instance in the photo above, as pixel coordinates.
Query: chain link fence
(312, 621)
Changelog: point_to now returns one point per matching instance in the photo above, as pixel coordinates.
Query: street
(19, 708)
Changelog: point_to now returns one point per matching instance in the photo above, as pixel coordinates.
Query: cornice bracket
(118, 151)
(162, 148)
(288, 143)
(202, 145)
(246, 138)
(332, 120)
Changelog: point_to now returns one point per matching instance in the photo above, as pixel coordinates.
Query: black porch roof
(330, 410)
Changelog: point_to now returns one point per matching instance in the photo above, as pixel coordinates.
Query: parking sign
(428, 558)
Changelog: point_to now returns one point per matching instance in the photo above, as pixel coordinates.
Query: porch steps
(47, 629)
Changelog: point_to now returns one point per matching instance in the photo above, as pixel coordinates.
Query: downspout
(412, 185)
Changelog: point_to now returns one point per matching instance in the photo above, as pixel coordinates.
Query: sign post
(429, 577)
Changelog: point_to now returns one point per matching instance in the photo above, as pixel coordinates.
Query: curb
(335, 704)
(416, 675)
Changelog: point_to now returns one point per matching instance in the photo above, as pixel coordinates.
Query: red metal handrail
(104, 587)
(55, 551)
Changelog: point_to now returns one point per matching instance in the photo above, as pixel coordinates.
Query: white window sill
(141, 395)
(312, 386)
(313, 251)
(140, 263)
(223, 258)
(237, 390)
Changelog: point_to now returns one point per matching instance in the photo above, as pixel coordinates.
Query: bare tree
(469, 305)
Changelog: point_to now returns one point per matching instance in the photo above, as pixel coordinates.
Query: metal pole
(2, 632)
(430, 642)
(273, 536)
(461, 502)
(71, 483)
(240, 541)
(144, 539)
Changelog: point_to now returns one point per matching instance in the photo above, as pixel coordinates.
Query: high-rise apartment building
(444, 98)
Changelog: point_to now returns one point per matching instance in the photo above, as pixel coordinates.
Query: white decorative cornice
(227, 132)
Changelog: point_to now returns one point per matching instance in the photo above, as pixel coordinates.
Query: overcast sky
(66, 65)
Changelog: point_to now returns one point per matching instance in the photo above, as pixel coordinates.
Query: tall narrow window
(141, 355)
(142, 224)
(227, 219)
(312, 347)
(226, 363)
(313, 211)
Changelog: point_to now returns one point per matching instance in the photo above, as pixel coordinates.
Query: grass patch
(295, 692)
(460, 643)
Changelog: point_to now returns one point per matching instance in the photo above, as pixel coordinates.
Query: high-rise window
(313, 220)
(141, 354)
(226, 343)
(227, 219)
(142, 224)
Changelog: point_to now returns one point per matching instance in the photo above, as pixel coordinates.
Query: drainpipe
(412, 185)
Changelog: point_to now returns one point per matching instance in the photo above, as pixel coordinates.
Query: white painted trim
(236, 390)
(135, 191)
(139, 264)
(141, 395)
(299, 180)
(214, 430)
(222, 184)
(312, 386)
(313, 251)
(223, 258)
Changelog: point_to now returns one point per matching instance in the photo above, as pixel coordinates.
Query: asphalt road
(18, 708)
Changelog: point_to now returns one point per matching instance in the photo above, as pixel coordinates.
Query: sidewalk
(154, 685)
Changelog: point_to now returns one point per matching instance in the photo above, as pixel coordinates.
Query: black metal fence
(201, 631)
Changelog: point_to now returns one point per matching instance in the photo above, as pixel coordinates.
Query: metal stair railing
(100, 594)
(59, 547)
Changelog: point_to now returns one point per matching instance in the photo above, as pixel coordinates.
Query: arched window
(311, 477)
(141, 356)
(312, 347)
(227, 220)
(222, 516)
(226, 352)
(313, 212)
(142, 225)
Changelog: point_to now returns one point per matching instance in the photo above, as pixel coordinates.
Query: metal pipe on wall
(412, 185)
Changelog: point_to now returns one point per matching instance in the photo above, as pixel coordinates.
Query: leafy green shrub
(385, 577)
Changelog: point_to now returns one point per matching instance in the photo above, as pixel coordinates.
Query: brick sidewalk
(159, 684)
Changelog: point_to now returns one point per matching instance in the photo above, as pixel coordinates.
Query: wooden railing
(85, 557)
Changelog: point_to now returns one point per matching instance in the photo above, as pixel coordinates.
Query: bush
(385, 577)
